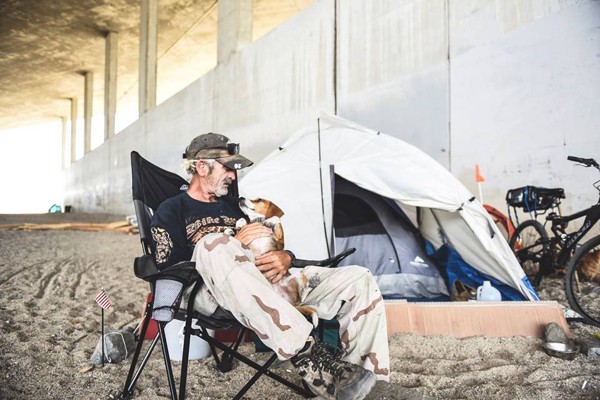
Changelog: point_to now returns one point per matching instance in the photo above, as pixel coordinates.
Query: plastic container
(488, 293)
(199, 348)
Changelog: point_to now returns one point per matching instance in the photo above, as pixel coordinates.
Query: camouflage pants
(349, 294)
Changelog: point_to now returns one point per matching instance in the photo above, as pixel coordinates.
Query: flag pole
(104, 303)
(102, 308)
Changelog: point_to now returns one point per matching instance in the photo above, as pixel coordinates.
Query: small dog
(269, 214)
(290, 286)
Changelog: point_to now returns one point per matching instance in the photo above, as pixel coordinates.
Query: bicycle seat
(558, 193)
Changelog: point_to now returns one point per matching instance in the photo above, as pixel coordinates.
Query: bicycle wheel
(583, 281)
(530, 245)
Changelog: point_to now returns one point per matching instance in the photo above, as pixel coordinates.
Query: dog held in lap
(291, 286)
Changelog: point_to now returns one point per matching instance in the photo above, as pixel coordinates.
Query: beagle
(291, 286)
(267, 212)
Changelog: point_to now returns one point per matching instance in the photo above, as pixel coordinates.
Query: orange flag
(478, 177)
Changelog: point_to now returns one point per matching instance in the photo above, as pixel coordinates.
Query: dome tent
(323, 174)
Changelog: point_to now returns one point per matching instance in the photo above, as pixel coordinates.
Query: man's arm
(169, 243)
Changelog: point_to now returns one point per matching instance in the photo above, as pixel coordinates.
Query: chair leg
(256, 376)
(133, 375)
(167, 359)
(225, 364)
(300, 390)
(321, 329)
(185, 356)
(142, 365)
(187, 332)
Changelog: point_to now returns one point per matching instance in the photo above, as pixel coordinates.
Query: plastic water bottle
(488, 293)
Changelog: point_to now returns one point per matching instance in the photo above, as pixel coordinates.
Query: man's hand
(255, 230)
(274, 265)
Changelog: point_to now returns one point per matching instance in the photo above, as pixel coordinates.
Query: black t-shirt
(179, 222)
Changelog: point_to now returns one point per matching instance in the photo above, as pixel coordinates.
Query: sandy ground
(50, 324)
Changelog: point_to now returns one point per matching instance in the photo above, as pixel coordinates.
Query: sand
(50, 324)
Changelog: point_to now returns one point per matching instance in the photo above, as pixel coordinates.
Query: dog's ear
(278, 237)
(273, 211)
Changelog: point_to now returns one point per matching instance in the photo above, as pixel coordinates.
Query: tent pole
(322, 193)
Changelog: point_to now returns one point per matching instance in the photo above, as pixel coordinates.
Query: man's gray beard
(223, 188)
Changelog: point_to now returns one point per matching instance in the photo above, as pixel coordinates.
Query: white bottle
(488, 293)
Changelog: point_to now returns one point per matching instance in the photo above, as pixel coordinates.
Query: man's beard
(222, 187)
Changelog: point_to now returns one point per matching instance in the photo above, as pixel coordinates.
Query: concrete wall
(393, 70)
(511, 85)
(525, 94)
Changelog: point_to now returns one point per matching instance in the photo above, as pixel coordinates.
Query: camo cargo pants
(349, 294)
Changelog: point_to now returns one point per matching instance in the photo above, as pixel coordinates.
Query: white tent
(299, 178)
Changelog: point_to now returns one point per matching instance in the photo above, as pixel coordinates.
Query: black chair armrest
(145, 268)
(331, 262)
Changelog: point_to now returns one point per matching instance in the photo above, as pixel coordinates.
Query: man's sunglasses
(232, 149)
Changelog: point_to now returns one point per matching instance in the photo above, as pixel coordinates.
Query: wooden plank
(7, 227)
(397, 315)
(462, 323)
(117, 225)
(435, 320)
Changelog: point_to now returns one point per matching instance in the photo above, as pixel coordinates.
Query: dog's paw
(314, 319)
(309, 312)
(272, 222)
(239, 223)
(229, 232)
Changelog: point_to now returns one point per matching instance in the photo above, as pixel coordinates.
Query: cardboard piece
(465, 319)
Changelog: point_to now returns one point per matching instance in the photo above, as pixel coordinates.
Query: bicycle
(541, 255)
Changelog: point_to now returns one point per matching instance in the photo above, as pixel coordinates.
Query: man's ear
(201, 168)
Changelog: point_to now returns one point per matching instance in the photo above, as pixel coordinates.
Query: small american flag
(103, 300)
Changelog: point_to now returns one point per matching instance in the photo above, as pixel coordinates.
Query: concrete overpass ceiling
(47, 45)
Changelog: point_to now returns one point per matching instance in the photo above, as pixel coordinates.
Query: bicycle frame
(568, 241)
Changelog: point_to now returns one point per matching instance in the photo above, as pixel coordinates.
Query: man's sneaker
(329, 377)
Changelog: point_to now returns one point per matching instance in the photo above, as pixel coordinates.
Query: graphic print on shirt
(203, 226)
(164, 245)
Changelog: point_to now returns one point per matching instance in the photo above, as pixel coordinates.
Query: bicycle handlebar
(588, 162)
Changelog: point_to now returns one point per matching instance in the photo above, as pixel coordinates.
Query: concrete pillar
(147, 62)
(65, 151)
(88, 99)
(234, 30)
(110, 84)
(73, 129)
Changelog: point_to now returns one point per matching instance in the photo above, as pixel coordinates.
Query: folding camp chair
(151, 186)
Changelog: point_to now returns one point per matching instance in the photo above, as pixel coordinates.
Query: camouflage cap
(218, 147)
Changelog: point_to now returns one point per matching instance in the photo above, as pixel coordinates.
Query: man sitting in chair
(192, 225)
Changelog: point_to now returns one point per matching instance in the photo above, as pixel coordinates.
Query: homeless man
(192, 226)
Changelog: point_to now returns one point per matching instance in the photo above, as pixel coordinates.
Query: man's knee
(357, 272)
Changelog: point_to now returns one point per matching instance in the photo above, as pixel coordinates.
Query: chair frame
(185, 272)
